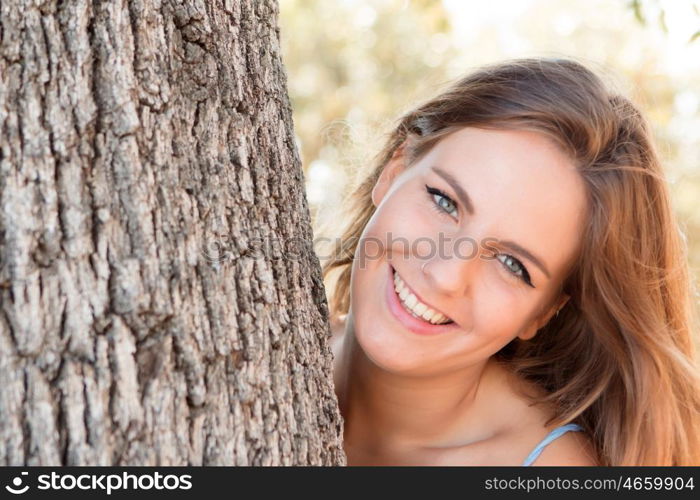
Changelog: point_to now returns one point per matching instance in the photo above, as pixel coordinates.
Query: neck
(385, 411)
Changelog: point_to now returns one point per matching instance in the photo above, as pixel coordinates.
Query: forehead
(522, 187)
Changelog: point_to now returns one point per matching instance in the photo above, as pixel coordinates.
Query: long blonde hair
(619, 358)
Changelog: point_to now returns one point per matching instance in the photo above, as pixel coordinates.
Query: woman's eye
(442, 202)
(515, 267)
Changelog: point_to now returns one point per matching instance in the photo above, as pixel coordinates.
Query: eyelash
(432, 192)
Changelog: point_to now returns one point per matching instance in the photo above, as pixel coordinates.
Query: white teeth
(420, 309)
(414, 306)
(411, 301)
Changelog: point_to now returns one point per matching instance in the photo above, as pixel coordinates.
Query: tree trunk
(161, 301)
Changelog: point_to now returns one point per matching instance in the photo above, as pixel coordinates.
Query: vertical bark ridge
(161, 301)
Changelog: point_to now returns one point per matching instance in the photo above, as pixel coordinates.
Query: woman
(512, 284)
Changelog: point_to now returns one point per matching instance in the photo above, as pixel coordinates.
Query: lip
(405, 318)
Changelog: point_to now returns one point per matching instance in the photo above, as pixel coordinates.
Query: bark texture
(147, 161)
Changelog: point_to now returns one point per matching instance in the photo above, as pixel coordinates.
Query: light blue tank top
(548, 439)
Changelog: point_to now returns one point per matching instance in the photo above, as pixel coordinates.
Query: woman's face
(505, 194)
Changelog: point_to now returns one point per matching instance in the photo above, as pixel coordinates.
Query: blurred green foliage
(354, 65)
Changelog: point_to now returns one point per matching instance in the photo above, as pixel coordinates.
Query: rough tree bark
(146, 154)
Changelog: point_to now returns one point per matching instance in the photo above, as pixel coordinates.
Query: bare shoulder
(573, 448)
(569, 449)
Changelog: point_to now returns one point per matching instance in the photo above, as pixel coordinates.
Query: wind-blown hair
(619, 358)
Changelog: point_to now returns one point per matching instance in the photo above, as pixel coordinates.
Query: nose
(452, 268)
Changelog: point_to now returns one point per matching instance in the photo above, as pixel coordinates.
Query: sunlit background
(354, 65)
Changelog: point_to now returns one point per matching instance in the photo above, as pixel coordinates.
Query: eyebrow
(520, 250)
(464, 198)
(461, 193)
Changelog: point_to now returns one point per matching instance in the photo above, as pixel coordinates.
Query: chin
(386, 349)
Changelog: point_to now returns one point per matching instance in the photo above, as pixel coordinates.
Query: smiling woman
(570, 312)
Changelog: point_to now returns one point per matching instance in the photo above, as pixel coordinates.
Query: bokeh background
(354, 65)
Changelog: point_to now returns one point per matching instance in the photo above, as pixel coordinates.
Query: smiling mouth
(414, 306)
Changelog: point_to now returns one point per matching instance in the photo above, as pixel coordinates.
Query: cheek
(396, 231)
(496, 318)
(495, 306)
(496, 309)
(407, 226)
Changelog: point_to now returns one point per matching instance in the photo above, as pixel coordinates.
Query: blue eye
(442, 202)
(515, 267)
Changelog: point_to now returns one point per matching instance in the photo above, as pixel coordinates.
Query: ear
(391, 170)
(544, 318)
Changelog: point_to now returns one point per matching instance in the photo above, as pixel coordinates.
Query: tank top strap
(554, 434)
